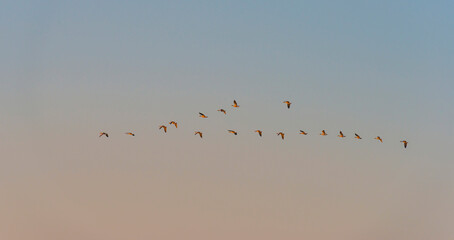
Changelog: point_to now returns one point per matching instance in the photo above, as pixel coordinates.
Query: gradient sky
(70, 69)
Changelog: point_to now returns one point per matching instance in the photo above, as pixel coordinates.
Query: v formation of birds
(259, 132)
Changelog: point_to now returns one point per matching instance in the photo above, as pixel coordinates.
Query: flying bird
(303, 132)
(405, 143)
(164, 127)
(282, 135)
(222, 110)
(103, 133)
(202, 115)
(323, 133)
(341, 135)
(200, 134)
(288, 103)
(235, 104)
(174, 123)
(130, 133)
(379, 138)
(233, 132)
(357, 136)
(259, 132)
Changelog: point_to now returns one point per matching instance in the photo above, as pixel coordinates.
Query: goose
(323, 133)
(259, 132)
(303, 132)
(202, 115)
(200, 134)
(174, 123)
(341, 135)
(288, 103)
(235, 104)
(282, 135)
(405, 143)
(233, 132)
(130, 133)
(357, 136)
(222, 110)
(379, 138)
(164, 127)
(103, 133)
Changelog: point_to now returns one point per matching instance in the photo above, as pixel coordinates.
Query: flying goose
(259, 132)
(233, 132)
(288, 103)
(200, 134)
(357, 136)
(379, 138)
(222, 110)
(405, 143)
(303, 132)
(323, 133)
(164, 127)
(103, 133)
(130, 133)
(174, 123)
(235, 104)
(202, 115)
(282, 135)
(341, 135)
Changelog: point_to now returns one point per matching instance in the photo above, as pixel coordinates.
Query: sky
(70, 69)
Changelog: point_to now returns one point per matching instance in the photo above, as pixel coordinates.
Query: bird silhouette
(202, 115)
(341, 135)
(235, 105)
(303, 132)
(130, 133)
(222, 110)
(200, 134)
(233, 132)
(259, 132)
(163, 127)
(174, 123)
(282, 135)
(323, 133)
(357, 136)
(288, 103)
(103, 133)
(405, 143)
(379, 138)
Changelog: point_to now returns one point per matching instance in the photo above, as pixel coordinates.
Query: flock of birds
(235, 105)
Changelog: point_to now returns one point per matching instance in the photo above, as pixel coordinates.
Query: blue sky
(73, 68)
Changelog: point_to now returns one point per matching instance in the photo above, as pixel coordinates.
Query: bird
(103, 133)
(222, 110)
(202, 115)
(259, 132)
(163, 126)
(405, 143)
(341, 135)
(174, 123)
(130, 133)
(231, 131)
(288, 103)
(282, 135)
(200, 134)
(235, 104)
(323, 133)
(357, 136)
(303, 132)
(379, 138)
